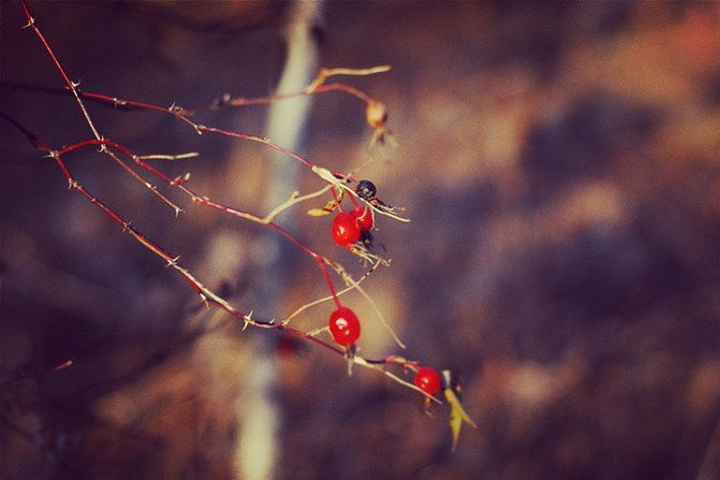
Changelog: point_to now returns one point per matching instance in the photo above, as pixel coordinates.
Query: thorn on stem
(204, 299)
(247, 319)
(179, 180)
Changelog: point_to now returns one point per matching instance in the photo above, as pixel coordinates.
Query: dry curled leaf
(458, 416)
(318, 212)
(329, 208)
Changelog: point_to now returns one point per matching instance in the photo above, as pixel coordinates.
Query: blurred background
(559, 162)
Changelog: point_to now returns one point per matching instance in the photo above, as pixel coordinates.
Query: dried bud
(376, 114)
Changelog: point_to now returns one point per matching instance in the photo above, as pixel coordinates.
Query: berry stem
(322, 261)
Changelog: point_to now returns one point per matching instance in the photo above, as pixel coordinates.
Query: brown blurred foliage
(559, 162)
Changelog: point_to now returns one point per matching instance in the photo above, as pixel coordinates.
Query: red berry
(345, 230)
(344, 326)
(428, 380)
(364, 217)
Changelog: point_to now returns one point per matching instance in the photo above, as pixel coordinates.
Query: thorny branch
(333, 181)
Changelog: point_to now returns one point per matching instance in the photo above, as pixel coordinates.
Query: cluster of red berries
(348, 228)
(344, 325)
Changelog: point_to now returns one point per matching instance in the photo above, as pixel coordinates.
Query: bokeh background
(559, 162)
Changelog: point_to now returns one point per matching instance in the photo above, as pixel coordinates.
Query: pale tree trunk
(257, 409)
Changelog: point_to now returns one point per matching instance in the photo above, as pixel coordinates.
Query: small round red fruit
(344, 326)
(345, 230)
(428, 380)
(364, 217)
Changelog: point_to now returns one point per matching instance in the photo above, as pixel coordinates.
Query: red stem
(71, 86)
(318, 258)
(204, 201)
(264, 141)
